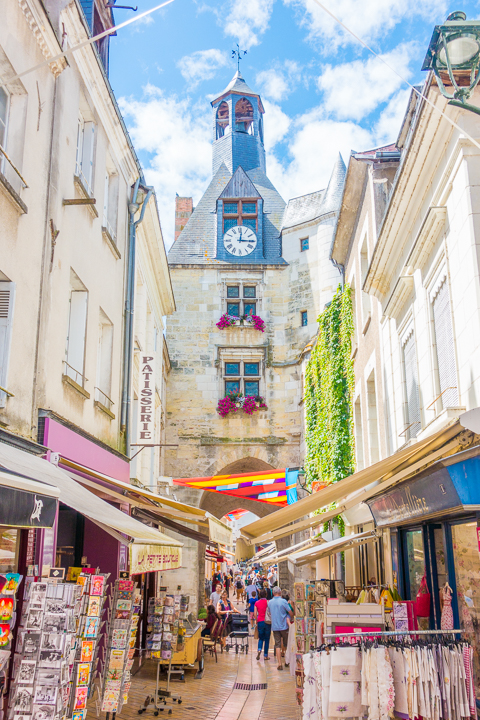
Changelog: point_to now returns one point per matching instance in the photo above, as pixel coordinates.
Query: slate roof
(308, 207)
(196, 243)
(236, 85)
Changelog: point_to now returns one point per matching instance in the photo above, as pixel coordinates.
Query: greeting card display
(120, 644)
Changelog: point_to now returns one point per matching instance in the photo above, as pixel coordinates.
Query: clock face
(240, 241)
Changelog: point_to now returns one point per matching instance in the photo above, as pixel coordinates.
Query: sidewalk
(215, 696)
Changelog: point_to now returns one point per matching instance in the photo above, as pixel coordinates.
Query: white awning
(334, 546)
(80, 499)
(28, 485)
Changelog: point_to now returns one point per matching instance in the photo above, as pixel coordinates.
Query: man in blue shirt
(279, 611)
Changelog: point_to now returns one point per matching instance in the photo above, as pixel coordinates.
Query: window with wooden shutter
(447, 371)
(7, 293)
(413, 423)
(77, 328)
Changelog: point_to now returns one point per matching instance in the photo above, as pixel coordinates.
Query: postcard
(83, 674)
(31, 644)
(34, 620)
(93, 606)
(50, 658)
(26, 672)
(80, 698)
(299, 626)
(23, 699)
(124, 604)
(48, 676)
(299, 608)
(126, 585)
(117, 659)
(38, 592)
(310, 592)
(45, 694)
(310, 628)
(300, 643)
(86, 652)
(299, 591)
(13, 581)
(54, 622)
(119, 639)
(78, 714)
(43, 712)
(97, 584)
(4, 635)
(91, 626)
(110, 706)
(6, 609)
(52, 641)
(55, 605)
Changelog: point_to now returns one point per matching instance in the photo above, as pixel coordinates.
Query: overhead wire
(390, 67)
(89, 41)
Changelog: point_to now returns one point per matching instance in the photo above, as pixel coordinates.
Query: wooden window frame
(241, 378)
(238, 216)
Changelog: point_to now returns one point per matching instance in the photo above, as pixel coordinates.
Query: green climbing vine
(329, 381)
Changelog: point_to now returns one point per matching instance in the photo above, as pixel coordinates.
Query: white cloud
(370, 20)
(276, 125)
(177, 134)
(388, 125)
(278, 82)
(246, 20)
(201, 65)
(353, 90)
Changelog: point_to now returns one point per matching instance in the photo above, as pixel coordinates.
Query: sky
(323, 92)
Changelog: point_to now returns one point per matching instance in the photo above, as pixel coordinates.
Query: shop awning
(82, 500)
(352, 489)
(334, 546)
(27, 503)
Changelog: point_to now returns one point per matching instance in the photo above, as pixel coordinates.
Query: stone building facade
(243, 251)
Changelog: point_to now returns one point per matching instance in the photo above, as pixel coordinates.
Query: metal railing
(454, 387)
(83, 180)
(12, 165)
(74, 374)
(103, 399)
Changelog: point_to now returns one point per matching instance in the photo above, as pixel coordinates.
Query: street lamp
(454, 57)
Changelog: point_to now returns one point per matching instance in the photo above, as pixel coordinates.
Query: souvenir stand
(167, 615)
(8, 616)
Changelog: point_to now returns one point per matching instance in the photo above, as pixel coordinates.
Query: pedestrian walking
(239, 586)
(263, 627)
(227, 584)
(251, 588)
(251, 606)
(216, 595)
(279, 611)
(225, 609)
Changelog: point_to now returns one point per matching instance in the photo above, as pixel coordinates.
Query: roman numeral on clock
(229, 247)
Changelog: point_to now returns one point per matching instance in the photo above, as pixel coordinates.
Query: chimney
(183, 210)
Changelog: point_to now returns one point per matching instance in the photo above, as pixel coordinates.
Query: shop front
(433, 523)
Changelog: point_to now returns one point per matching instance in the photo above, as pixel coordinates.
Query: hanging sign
(146, 400)
(24, 509)
(149, 558)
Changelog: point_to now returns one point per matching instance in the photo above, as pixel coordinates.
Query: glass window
(232, 368)
(233, 309)
(249, 292)
(416, 561)
(251, 387)
(249, 208)
(467, 576)
(304, 244)
(230, 208)
(9, 538)
(232, 386)
(250, 223)
(250, 308)
(304, 318)
(251, 368)
(233, 291)
(229, 223)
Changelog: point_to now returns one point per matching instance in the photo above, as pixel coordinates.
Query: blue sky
(323, 93)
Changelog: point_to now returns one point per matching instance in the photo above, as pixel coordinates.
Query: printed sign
(218, 532)
(146, 396)
(148, 558)
(24, 509)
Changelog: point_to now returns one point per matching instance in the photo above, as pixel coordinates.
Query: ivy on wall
(329, 381)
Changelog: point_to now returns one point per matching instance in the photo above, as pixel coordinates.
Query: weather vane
(239, 54)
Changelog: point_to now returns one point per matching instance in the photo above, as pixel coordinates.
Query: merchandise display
(166, 625)
(45, 651)
(123, 621)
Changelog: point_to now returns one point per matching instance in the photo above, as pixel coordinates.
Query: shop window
(412, 398)
(77, 331)
(242, 377)
(9, 545)
(444, 345)
(240, 212)
(244, 116)
(223, 121)
(304, 244)
(7, 296)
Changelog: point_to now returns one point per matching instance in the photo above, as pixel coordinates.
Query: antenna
(239, 54)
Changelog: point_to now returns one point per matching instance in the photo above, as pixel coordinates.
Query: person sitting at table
(210, 621)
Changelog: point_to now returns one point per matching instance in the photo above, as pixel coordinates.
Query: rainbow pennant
(266, 486)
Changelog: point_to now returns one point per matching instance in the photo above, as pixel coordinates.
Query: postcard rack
(162, 695)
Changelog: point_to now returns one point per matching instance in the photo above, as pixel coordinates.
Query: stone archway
(219, 504)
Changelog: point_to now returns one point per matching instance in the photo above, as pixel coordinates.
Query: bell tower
(238, 128)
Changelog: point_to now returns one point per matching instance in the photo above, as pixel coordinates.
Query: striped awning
(269, 486)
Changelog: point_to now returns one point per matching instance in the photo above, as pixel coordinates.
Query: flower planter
(254, 322)
(248, 404)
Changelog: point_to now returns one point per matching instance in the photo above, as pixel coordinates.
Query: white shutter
(411, 386)
(87, 155)
(77, 334)
(80, 129)
(447, 371)
(105, 199)
(7, 298)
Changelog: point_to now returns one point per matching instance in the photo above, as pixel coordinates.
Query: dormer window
(240, 212)
(244, 116)
(223, 120)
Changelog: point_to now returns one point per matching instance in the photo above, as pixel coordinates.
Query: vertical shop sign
(146, 400)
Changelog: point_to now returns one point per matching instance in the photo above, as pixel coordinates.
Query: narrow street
(216, 696)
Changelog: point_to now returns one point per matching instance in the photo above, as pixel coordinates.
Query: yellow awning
(388, 472)
(334, 546)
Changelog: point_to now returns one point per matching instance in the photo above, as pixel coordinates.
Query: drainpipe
(129, 307)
